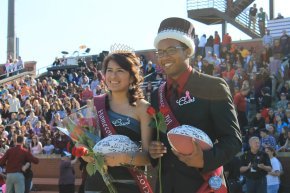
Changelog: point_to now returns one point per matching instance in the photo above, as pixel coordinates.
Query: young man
(253, 16)
(194, 99)
(262, 17)
(14, 159)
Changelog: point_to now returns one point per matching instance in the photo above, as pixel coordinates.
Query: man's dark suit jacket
(213, 112)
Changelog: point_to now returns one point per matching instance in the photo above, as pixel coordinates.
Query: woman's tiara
(121, 48)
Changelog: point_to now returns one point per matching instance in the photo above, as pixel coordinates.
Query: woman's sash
(108, 129)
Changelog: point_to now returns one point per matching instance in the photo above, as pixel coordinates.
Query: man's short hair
(19, 139)
(254, 138)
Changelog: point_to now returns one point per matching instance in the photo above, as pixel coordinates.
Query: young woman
(126, 112)
(35, 145)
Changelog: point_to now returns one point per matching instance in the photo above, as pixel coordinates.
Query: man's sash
(171, 123)
(108, 129)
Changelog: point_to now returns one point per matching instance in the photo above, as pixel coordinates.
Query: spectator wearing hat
(212, 99)
(209, 57)
(207, 67)
(267, 140)
(66, 182)
(282, 103)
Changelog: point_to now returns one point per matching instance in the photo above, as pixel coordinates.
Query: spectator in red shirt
(87, 94)
(241, 106)
(14, 159)
(216, 45)
(227, 41)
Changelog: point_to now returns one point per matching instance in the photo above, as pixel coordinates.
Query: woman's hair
(129, 62)
(272, 150)
(32, 142)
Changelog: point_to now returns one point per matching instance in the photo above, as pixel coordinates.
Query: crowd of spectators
(12, 67)
(36, 107)
(258, 82)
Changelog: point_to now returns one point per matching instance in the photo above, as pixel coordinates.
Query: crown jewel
(121, 48)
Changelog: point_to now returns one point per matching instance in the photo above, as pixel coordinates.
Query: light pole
(11, 40)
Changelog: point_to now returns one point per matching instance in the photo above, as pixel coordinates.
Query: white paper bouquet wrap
(115, 143)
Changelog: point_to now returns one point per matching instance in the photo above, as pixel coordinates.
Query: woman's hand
(88, 159)
(116, 159)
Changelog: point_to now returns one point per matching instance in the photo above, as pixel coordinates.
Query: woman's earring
(131, 87)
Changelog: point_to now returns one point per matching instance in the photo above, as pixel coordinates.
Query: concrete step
(50, 184)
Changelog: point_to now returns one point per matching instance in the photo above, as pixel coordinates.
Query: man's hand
(195, 159)
(261, 166)
(25, 166)
(157, 149)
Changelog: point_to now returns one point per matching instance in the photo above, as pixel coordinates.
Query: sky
(45, 28)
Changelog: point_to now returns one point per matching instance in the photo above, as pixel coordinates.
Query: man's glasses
(169, 51)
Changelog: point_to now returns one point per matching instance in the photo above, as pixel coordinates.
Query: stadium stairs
(211, 12)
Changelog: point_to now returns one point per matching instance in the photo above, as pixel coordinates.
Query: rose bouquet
(82, 127)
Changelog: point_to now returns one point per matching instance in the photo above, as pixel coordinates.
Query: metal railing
(242, 18)
(4, 75)
(202, 4)
(41, 70)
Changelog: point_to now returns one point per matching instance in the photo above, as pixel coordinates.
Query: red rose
(81, 151)
(151, 111)
(164, 110)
